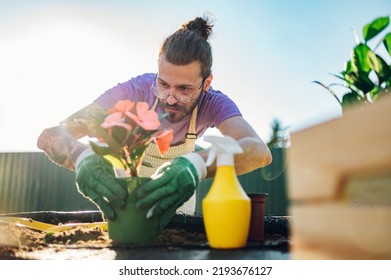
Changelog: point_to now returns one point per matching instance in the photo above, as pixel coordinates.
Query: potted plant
(124, 132)
(367, 75)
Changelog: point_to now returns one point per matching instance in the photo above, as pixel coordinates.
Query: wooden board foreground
(339, 186)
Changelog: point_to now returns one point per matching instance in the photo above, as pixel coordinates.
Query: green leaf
(360, 80)
(348, 66)
(348, 81)
(350, 99)
(376, 92)
(329, 90)
(359, 62)
(387, 42)
(370, 30)
(102, 133)
(380, 67)
(100, 150)
(114, 161)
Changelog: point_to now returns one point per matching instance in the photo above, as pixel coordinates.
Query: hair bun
(201, 25)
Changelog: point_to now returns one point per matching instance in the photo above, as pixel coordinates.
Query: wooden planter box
(339, 186)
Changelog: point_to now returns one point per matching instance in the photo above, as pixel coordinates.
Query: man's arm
(61, 144)
(255, 154)
(95, 178)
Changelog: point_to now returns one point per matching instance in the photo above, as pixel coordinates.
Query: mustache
(168, 106)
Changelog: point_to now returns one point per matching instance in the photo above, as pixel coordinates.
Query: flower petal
(123, 106)
(115, 119)
(141, 107)
(163, 140)
(126, 140)
(147, 119)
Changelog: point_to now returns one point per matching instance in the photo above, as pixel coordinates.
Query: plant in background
(278, 142)
(367, 75)
(124, 133)
(278, 137)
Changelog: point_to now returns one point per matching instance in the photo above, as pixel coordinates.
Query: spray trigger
(222, 146)
(211, 157)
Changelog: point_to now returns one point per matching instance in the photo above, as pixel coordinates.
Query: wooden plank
(340, 230)
(322, 157)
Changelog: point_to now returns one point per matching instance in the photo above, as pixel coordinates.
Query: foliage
(367, 75)
(278, 137)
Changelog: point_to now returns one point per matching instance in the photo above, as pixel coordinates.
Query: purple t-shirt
(213, 106)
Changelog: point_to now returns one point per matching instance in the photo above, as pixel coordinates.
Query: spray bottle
(226, 208)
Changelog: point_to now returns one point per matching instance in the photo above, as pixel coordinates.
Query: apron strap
(154, 105)
(191, 135)
(154, 159)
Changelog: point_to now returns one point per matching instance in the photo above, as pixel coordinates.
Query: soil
(185, 231)
(25, 239)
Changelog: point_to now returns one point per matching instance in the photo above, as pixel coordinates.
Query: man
(182, 90)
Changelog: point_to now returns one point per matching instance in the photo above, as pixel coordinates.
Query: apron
(152, 158)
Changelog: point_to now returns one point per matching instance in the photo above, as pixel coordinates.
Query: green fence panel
(270, 179)
(31, 182)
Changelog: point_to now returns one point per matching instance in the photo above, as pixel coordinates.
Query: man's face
(178, 80)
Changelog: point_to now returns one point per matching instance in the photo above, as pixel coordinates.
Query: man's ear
(208, 82)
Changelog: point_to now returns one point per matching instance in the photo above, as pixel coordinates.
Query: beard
(175, 113)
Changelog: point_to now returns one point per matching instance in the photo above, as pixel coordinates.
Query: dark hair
(190, 43)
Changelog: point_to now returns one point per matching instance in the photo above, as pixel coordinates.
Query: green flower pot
(130, 224)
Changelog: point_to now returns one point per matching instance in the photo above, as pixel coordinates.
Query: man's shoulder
(218, 105)
(145, 78)
(214, 95)
(139, 83)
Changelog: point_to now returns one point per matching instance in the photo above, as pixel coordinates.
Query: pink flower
(121, 106)
(127, 130)
(115, 119)
(147, 119)
(163, 140)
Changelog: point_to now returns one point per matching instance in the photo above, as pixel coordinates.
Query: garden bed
(184, 238)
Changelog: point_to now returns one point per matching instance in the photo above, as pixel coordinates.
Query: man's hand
(96, 180)
(172, 185)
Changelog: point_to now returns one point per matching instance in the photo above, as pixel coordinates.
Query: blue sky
(57, 56)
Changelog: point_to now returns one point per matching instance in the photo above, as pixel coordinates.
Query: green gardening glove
(95, 179)
(171, 186)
